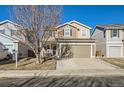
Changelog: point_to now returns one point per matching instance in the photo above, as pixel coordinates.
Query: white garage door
(114, 51)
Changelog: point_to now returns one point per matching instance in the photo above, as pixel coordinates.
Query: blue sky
(88, 15)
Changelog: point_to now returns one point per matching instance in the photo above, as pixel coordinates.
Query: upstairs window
(115, 33)
(83, 32)
(2, 31)
(67, 31)
(13, 32)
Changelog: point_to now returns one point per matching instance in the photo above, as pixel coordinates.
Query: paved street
(83, 63)
(69, 73)
(63, 82)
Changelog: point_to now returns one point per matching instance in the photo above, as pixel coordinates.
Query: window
(83, 32)
(67, 32)
(2, 31)
(13, 32)
(115, 33)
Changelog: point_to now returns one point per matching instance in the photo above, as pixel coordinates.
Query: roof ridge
(4, 21)
(80, 23)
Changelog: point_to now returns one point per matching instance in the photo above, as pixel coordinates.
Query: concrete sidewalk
(47, 73)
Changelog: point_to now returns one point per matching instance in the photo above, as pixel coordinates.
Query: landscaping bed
(28, 64)
(115, 61)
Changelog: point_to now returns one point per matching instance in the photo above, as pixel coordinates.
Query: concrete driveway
(84, 63)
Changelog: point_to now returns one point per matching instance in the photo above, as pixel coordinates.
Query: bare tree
(36, 22)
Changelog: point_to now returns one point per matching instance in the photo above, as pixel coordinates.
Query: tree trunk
(38, 58)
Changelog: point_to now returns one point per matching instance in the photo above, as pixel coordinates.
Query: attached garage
(78, 48)
(81, 51)
(114, 51)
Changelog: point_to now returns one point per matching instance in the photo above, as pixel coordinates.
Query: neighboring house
(72, 39)
(109, 40)
(10, 37)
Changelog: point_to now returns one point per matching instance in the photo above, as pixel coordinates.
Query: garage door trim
(81, 51)
(108, 50)
(81, 44)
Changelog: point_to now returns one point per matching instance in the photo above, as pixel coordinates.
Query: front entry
(54, 47)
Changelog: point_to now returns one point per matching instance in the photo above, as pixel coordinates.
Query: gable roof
(67, 24)
(110, 26)
(8, 21)
(73, 21)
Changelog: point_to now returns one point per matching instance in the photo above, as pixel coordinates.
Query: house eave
(75, 40)
(8, 21)
(11, 38)
(80, 24)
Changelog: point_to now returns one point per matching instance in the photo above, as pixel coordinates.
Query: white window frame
(13, 32)
(3, 31)
(117, 32)
(69, 31)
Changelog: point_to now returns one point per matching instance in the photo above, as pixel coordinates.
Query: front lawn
(28, 64)
(115, 61)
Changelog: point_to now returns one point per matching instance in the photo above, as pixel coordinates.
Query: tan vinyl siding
(73, 32)
(93, 50)
(76, 31)
(80, 29)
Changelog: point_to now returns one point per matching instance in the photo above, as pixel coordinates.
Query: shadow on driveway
(63, 82)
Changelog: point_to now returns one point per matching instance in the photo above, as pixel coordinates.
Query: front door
(54, 47)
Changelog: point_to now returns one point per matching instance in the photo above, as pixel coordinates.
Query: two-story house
(10, 37)
(72, 39)
(109, 40)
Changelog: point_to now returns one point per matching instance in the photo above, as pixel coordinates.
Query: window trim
(13, 32)
(117, 33)
(3, 31)
(69, 29)
(82, 32)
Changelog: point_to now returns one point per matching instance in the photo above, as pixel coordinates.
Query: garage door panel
(114, 51)
(81, 51)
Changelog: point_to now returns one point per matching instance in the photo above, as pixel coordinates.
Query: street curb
(49, 73)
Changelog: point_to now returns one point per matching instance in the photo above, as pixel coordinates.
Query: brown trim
(75, 41)
(74, 38)
(63, 32)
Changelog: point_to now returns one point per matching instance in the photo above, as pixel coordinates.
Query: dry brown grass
(115, 61)
(28, 64)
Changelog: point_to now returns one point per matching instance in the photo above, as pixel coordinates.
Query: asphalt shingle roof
(111, 26)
